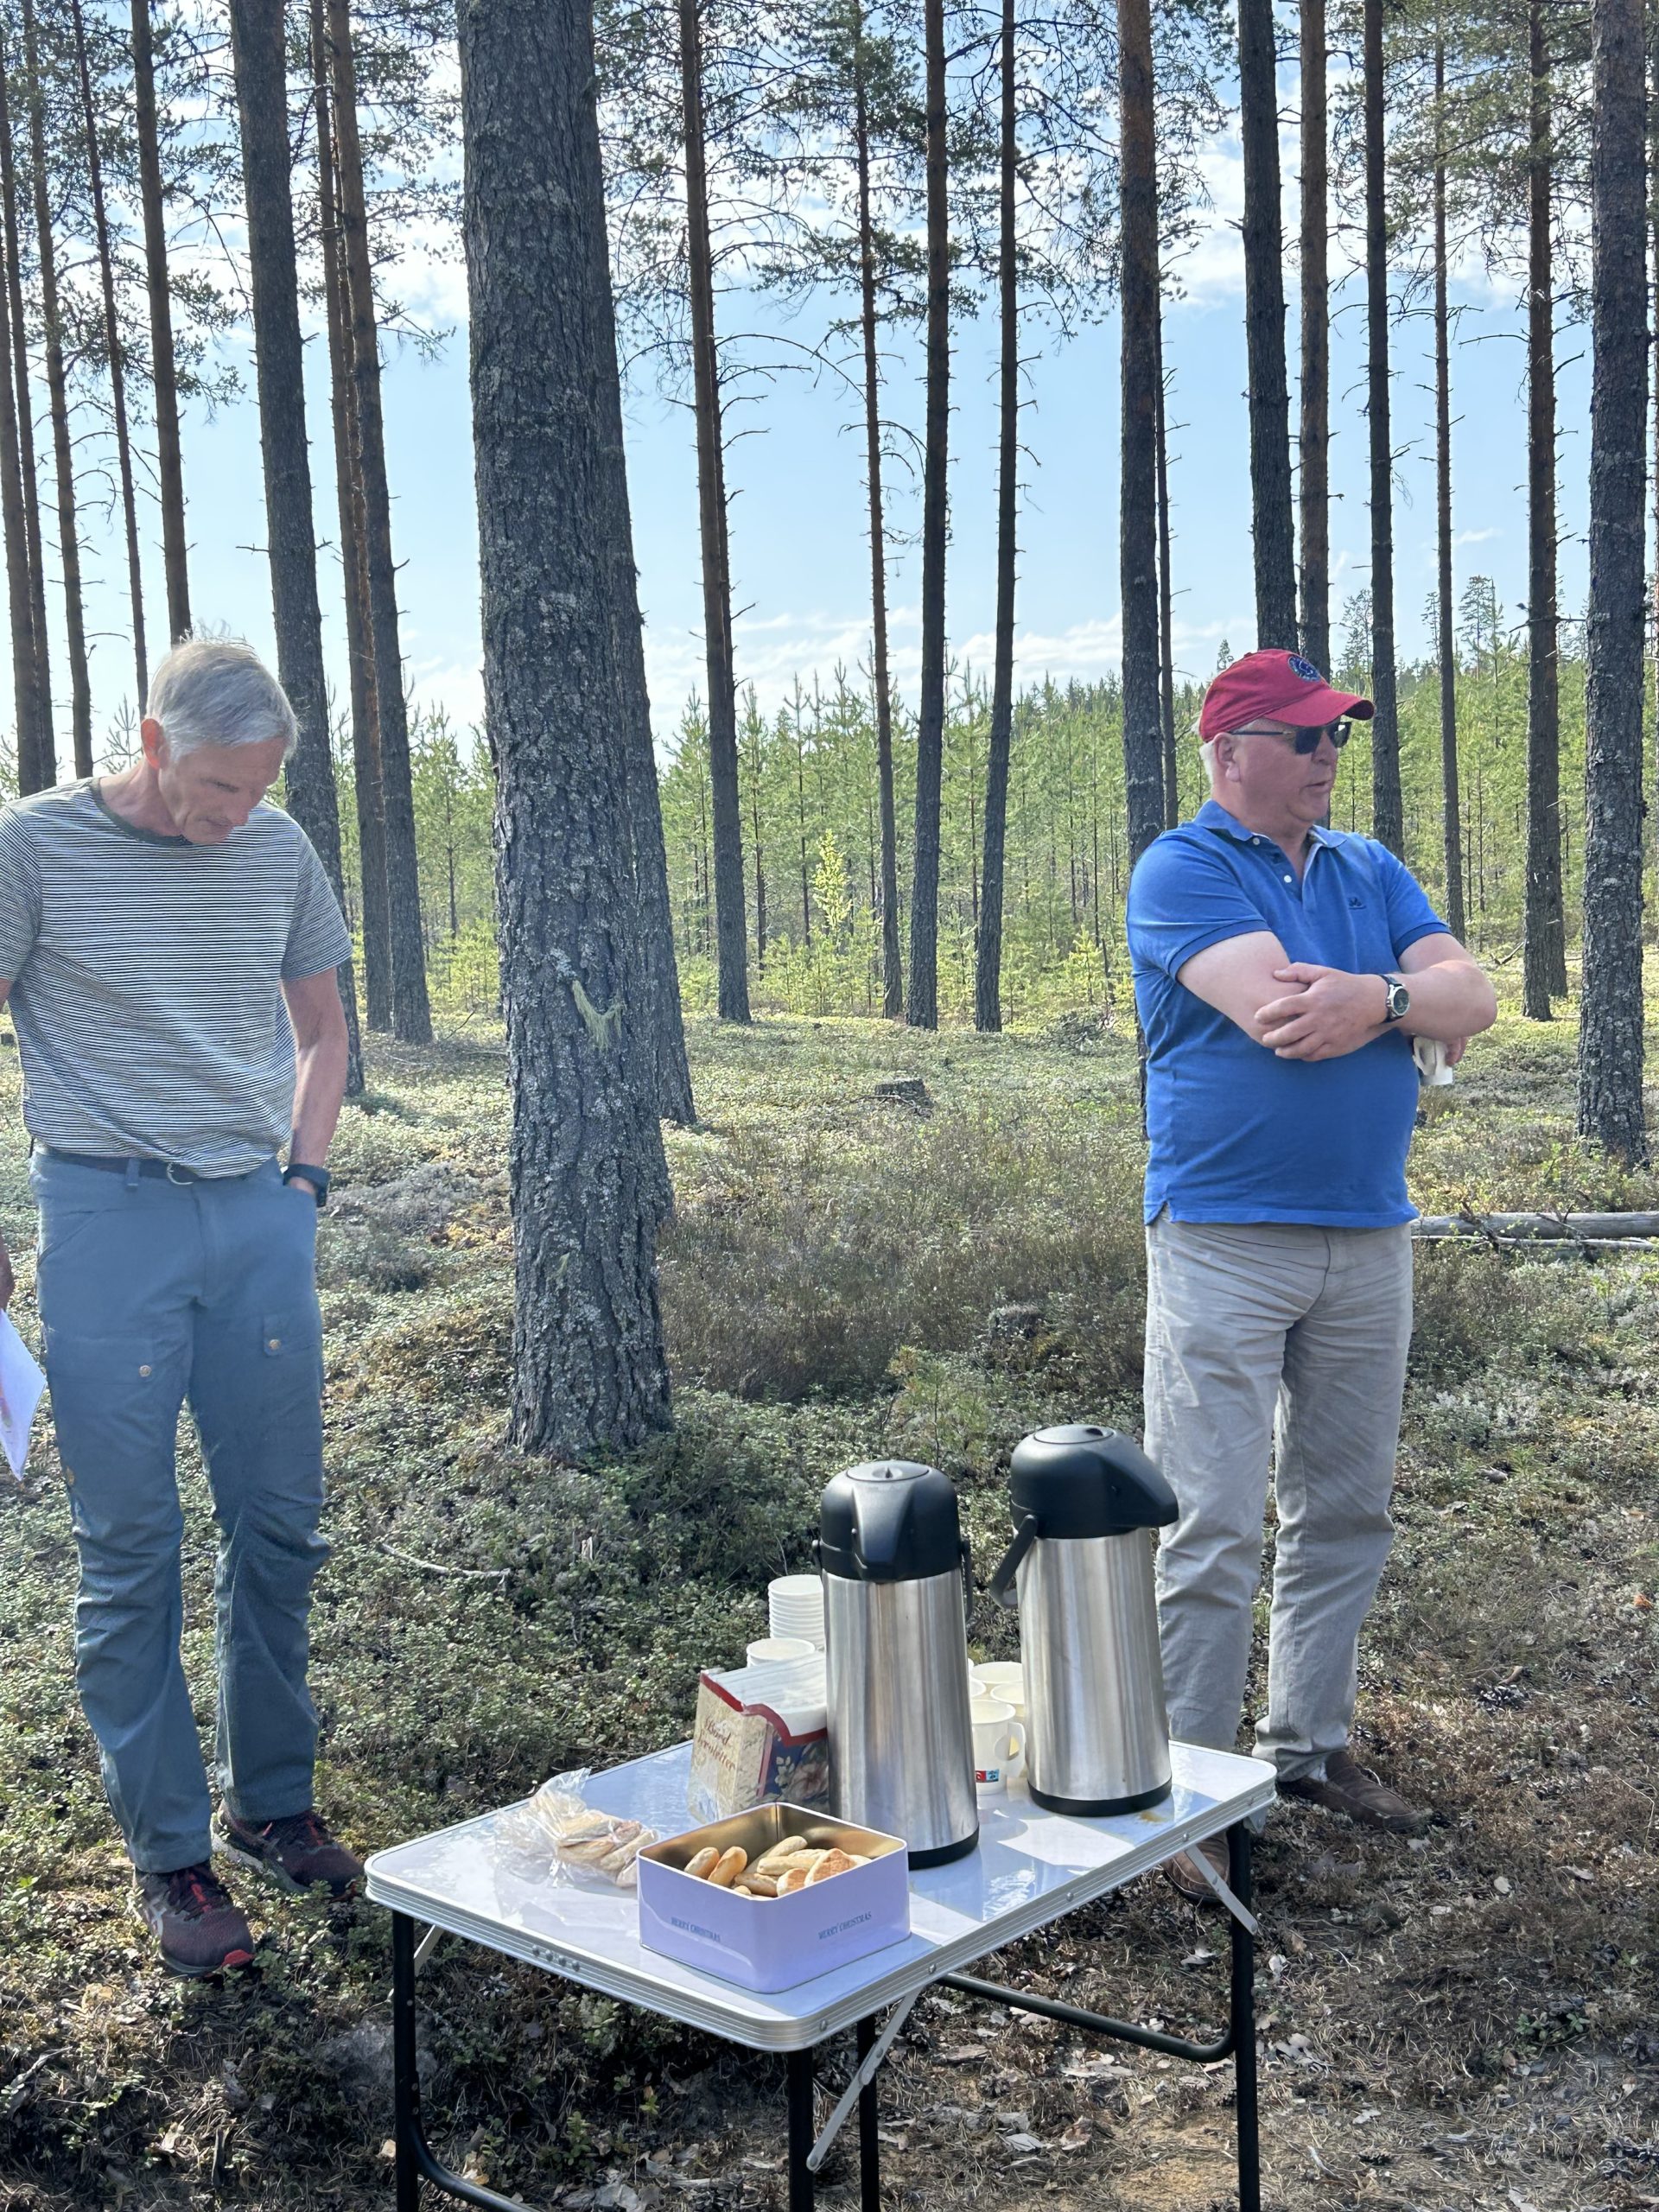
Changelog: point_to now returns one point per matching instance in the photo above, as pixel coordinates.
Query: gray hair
(216, 690)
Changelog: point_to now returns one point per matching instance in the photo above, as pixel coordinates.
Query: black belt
(111, 1163)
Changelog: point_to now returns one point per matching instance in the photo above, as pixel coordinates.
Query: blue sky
(799, 547)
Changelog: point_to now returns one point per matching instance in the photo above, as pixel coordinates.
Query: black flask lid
(889, 1521)
(1081, 1480)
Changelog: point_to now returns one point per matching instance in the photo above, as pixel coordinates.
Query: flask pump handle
(1003, 1588)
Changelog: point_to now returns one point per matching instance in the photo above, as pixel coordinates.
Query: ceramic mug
(998, 1744)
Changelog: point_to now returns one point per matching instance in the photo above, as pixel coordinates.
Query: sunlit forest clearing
(844, 1278)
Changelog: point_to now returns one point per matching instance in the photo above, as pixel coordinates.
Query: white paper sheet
(21, 1385)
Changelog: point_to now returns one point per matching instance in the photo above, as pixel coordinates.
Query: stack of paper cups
(795, 1607)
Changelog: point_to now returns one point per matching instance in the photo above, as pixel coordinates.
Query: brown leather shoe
(1182, 1873)
(1354, 1789)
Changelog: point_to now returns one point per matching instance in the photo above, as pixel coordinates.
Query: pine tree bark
(589, 1184)
(1137, 524)
(367, 780)
(922, 1001)
(1451, 819)
(660, 1033)
(1542, 907)
(731, 925)
(893, 966)
(117, 353)
(258, 59)
(163, 370)
(988, 966)
(1610, 1033)
(1166, 591)
(411, 1017)
(25, 681)
(74, 618)
(1388, 812)
(1264, 329)
(40, 768)
(1315, 429)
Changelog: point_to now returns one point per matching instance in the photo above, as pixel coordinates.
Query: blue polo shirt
(1235, 1134)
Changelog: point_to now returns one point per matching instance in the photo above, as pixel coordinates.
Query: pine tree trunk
(589, 1184)
(731, 926)
(1452, 823)
(660, 1035)
(80, 689)
(1165, 593)
(411, 1017)
(1137, 521)
(1264, 328)
(1315, 439)
(1610, 1035)
(259, 57)
(1543, 888)
(922, 1004)
(42, 764)
(367, 782)
(169, 462)
(893, 965)
(118, 360)
(25, 682)
(1388, 816)
(988, 967)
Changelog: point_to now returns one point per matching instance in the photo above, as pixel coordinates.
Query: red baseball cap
(1282, 686)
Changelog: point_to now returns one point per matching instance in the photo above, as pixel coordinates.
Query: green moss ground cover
(1467, 2021)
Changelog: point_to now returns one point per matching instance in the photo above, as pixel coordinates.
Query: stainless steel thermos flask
(901, 1744)
(1096, 1740)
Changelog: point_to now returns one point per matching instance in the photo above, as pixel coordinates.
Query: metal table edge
(898, 1982)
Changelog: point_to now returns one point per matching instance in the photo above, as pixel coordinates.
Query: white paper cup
(999, 1745)
(795, 1607)
(779, 1647)
(1001, 1678)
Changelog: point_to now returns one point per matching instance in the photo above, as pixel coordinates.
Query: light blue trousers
(154, 1294)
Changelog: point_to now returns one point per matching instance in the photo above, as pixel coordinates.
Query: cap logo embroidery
(1305, 668)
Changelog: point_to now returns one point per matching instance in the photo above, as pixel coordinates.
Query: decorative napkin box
(765, 1943)
(761, 1738)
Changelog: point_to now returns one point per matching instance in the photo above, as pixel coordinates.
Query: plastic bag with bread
(574, 1841)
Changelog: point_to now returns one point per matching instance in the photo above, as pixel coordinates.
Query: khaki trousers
(1271, 1343)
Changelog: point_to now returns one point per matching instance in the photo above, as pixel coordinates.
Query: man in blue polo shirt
(1281, 971)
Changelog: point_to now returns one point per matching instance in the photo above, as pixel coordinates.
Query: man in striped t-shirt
(169, 945)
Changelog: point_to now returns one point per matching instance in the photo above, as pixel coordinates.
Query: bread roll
(726, 1868)
(699, 1867)
(833, 1862)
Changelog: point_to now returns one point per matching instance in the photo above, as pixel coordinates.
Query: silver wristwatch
(1398, 1003)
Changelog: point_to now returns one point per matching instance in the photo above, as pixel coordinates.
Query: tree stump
(906, 1091)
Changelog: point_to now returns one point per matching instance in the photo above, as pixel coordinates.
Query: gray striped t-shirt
(145, 976)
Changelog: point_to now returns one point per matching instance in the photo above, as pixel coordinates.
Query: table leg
(406, 2080)
(802, 2188)
(869, 2143)
(1241, 2025)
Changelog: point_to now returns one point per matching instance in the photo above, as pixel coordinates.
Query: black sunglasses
(1304, 741)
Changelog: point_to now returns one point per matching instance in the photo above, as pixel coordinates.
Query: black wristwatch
(317, 1176)
(1399, 1000)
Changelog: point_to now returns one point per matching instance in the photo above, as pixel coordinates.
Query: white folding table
(1032, 1867)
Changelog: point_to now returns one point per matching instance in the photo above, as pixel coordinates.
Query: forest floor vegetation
(1467, 2019)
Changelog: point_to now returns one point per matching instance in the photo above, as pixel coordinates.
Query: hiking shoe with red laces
(191, 1915)
(296, 1852)
(1354, 1789)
